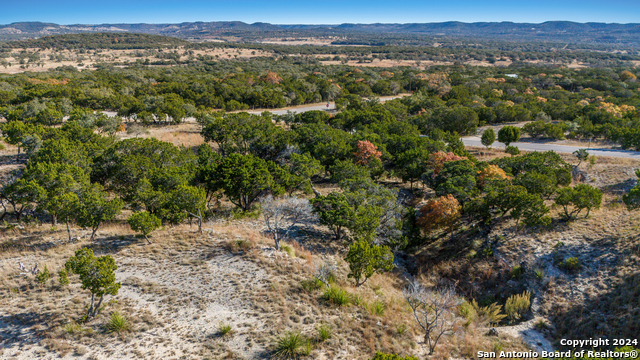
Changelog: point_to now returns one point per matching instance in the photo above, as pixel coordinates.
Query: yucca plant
(291, 345)
(118, 323)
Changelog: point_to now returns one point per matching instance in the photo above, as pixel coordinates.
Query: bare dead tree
(26, 271)
(433, 311)
(281, 216)
(324, 272)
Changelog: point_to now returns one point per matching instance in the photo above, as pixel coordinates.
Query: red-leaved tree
(437, 160)
(366, 152)
(440, 213)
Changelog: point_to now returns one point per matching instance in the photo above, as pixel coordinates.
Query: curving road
(468, 141)
(323, 106)
(533, 146)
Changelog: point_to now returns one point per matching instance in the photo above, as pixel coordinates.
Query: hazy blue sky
(316, 12)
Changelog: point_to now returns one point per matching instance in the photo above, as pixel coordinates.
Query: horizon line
(336, 24)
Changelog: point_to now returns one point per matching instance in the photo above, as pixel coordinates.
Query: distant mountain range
(557, 31)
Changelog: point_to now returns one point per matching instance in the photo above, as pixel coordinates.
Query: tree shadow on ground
(613, 314)
(622, 187)
(112, 244)
(19, 329)
(32, 242)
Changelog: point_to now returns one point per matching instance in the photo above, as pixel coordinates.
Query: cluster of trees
(77, 175)
(561, 102)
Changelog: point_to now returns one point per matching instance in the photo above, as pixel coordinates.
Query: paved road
(475, 141)
(295, 110)
(468, 141)
(323, 106)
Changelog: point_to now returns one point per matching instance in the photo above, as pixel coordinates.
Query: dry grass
(175, 296)
(90, 58)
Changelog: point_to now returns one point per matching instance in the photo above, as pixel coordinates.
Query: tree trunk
(97, 307)
(68, 230)
(90, 312)
(93, 233)
(275, 236)
(315, 192)
(147, 238)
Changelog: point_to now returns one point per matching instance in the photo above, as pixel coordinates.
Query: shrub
(144, 223)
(508, 134)
(43, 276)
(365, 259)
(63, 278)
(517, 305)
(224, 329)
(512, 150)
(383, 356)
(581, 197)
(118, 323)
(337, 295)
(324, 333)
(541, 324)
(443, 212)
(291, 345)
(516, 272)
(489, 314)
(97, 275)
(582, 155)
(571, 264)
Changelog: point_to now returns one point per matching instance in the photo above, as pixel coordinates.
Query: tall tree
(95, 208)
(488, 137)
(508, 134)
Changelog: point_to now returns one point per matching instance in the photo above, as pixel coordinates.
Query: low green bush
(382, 356)
(324, 333)
(224, 329)
(337, 296)
(43, 276)
(571, 264)
(516, 272)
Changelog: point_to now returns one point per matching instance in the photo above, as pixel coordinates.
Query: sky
(317, 12)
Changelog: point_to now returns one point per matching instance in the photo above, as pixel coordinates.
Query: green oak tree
(366, 259)
(144, 223)
(97, 275)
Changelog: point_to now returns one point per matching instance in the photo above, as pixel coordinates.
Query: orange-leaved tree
(440, 213)
(490, 173)
(366, 152)
(437, 160)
